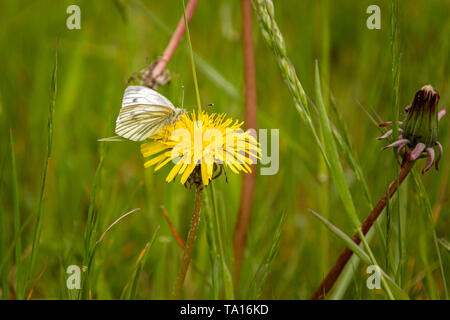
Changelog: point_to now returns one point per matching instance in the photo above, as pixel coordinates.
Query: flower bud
(421, 124)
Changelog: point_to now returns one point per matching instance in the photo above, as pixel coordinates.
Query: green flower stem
(191, 54)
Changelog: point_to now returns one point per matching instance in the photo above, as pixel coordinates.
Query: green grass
(88, 185)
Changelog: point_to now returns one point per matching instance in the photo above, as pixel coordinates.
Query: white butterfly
(144, 112)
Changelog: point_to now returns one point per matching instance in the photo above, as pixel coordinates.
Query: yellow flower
(202, 142)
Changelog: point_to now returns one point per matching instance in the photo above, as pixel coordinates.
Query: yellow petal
(157, 159)
(151, 148)
(187, 172)
(174, 171)
(162, 164)
(232, 168)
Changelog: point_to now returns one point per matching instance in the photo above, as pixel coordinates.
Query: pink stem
(175, 40)
(249, 180)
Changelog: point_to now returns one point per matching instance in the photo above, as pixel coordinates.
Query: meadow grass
(88, 185)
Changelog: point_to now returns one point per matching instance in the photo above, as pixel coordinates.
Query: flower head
(198, 145)
(419, 131)
(421, 123)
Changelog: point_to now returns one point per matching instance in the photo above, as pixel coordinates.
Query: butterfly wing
(143, 95)
(144, 112)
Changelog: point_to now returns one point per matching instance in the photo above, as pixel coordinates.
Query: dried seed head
(421, 124)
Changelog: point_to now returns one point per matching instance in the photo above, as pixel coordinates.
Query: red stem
(248, 183)
(187, 253)
(175, 40)
(345, 256)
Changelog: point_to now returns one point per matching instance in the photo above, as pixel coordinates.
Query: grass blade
(354, 164)
(395, 66)
(214, 257)
(140, 263)
(38, 224)
(91, 218)
(226, 274)
(3, 272)
(271, 256)
(336, 170)
(191, 55)
(114, 223)
(397, 292)
(346, 239)
(274, 39)
(444, 243)
(16, 220)
(348, 273)
(337, 173)
(425, 202)
(89, 249)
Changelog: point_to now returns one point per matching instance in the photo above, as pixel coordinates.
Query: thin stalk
(191, 54)
(248, 182)
(175, 39)
(187, 254)
(226, 274)
(342, 260)
(3, 272)
(172, 228)
(395, 66)
(189, 244)
(395, 76)
(16, 220)
(274, 39)
(323, 174)
(38, 225)
(432, 222)
(91, 223)
(441, 265)
(337, 172)
(211, 239)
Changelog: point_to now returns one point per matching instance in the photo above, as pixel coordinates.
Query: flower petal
(150, 148)
(430, 160)
(384, 136)
(396, 143)
(417, 151)
(436, 164)
(176, 168)
(155, 160)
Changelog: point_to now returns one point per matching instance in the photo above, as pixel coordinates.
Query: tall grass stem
(38, 224)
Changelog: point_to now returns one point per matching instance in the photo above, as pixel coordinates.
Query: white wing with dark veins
(143, 95)
(144, 112)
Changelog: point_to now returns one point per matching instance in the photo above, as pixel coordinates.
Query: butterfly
(144, 113)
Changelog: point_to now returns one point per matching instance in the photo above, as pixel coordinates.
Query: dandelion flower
(199, 144)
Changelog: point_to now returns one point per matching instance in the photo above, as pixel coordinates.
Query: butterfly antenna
(208, 105)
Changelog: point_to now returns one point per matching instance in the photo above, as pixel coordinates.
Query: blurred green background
(118, 38)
